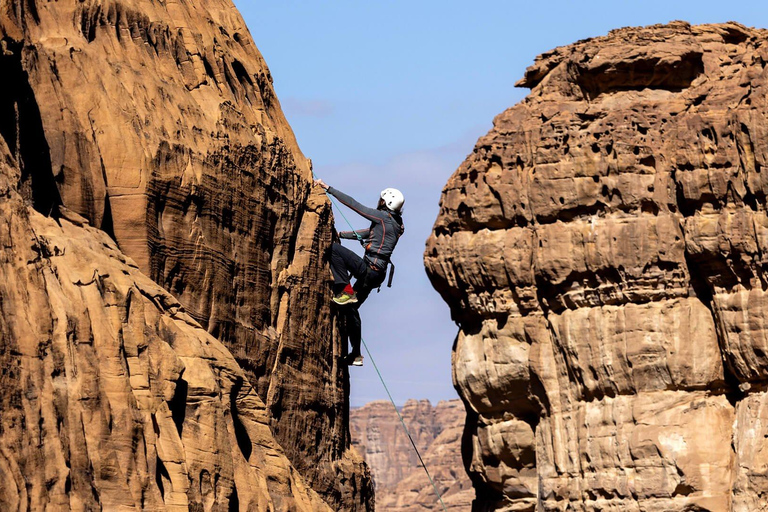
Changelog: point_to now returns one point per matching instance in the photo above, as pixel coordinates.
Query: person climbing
(369, 271)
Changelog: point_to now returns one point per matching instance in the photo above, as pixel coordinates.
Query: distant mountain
(401, 483)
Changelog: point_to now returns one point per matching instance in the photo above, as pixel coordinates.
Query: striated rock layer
(113, 396)
(401, 483)
(158, 123)
(604, 251)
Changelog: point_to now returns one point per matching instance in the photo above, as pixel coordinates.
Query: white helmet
(393, 198)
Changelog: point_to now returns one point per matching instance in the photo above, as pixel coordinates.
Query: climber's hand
(322, 184)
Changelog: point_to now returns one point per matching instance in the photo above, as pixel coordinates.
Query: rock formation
(157, 123)
(401, 483)
(113, 396)
(604, 251)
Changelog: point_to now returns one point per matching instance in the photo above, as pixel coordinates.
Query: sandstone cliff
(401, 483)
(113, 396)
(158, 123)
(603, 250)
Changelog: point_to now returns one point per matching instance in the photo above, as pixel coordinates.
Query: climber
(369, 271)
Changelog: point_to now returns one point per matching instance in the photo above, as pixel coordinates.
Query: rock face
(401, 483)
(603, 250)
(113, 396)
(157, 122)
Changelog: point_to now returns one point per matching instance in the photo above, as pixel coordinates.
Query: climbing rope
(403, 424)
(381, 378)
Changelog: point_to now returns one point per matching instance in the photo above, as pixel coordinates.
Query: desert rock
(603, 250)
(113, 396)
(401, 483)
(157, 123)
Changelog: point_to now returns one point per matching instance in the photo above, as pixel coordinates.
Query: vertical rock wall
(603, 250)
(158, 123)
(114, 398)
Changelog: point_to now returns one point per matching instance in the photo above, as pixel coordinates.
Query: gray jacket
(380, 239)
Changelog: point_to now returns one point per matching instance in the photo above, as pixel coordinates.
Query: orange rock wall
(603, 250)
(158, 123)
(113, 396)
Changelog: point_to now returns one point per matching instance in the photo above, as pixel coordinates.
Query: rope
(381, 378)
(403, 424)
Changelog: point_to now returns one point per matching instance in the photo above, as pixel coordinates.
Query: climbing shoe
(353, 360)
(347, 296)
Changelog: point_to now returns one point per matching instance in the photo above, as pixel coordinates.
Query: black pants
(344, 263)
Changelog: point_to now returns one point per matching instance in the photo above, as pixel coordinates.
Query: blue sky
(395, 94)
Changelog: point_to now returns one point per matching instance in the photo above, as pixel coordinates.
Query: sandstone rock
(114, 397)
(603, 251)
(401, 483)
(157, 123)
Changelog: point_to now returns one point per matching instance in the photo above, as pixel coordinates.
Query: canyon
(603, 250)
(166, 340)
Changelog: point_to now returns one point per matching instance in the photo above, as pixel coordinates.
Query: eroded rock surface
(401, 483)
(113, 396)
(157, 122)
(603, 250)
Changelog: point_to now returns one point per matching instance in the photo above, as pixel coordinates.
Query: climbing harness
(381, 378)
